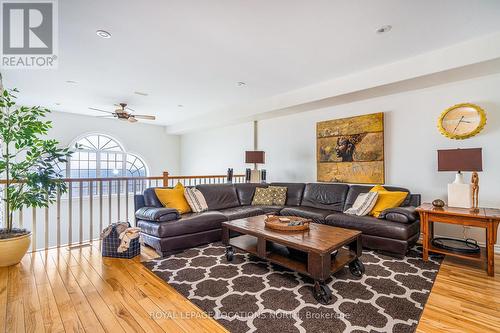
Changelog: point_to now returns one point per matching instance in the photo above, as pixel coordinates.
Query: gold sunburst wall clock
(462, 121)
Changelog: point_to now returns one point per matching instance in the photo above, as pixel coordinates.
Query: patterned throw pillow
(279, 195)
(195, 199)
(263, 196)
(364, 204)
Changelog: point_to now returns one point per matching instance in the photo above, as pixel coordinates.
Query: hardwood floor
(463, 299)
(76, 290)
(66, 290)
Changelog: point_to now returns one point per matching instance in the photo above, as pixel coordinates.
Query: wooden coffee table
(317, 253)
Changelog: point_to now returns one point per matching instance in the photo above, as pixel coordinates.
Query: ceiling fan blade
(127, 108)
(100, 110)
(110, 116)
(143, 116)
(132, 119)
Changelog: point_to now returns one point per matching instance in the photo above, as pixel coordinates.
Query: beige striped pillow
(195, 199)
(364, 204)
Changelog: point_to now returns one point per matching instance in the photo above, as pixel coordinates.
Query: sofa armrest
(157, 214)
(400, 214)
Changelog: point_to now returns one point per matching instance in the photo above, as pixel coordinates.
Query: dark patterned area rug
(252, 295)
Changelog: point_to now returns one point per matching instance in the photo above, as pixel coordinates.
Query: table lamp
(255, 157)
(461, 194)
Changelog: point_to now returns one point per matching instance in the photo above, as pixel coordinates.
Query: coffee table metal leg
(357, 268)
(229, 253)
(322, 292)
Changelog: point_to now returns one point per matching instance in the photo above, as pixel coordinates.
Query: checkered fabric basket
(110, 246)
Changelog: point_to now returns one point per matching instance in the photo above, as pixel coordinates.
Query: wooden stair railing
(90, 204)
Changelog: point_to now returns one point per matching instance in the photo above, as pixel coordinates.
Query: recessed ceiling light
(180, 105)
(71, 82)
(57, 103)
(383, 29)
(103, 34)
(141, 93)
(241, 84)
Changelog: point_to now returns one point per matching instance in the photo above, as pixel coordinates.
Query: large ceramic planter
(12, 250)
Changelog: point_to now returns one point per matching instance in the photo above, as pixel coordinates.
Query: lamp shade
(460, 159)
(255, 157)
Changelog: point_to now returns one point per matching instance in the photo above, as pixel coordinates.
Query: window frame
(99, 152)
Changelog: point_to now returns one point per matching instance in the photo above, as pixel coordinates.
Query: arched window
(101, 156)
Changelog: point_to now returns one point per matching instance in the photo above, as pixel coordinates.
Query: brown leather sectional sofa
(168, 232)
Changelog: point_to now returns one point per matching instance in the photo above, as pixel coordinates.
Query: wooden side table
(487, 218)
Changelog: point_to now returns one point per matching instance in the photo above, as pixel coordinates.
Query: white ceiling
(194, 52)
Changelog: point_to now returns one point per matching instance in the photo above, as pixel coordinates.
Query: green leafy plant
(28, 161)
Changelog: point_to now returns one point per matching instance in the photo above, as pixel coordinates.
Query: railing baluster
(58, 218)
(91, 210)
(33, 229)
(110, 192)
(126, 199)
(70, 213)
(100, 206)
(80, 213)
(118, 195)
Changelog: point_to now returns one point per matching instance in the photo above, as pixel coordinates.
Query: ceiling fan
(122, 113)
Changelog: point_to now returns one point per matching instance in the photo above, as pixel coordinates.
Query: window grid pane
(100, 156)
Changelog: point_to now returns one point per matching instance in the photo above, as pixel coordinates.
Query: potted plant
(27, 168)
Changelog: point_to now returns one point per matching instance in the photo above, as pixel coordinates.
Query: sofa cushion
(325, 196)
(241, 212)
(157, 214)
(219, 196)
(150, 198)
(187, 224)
(316, 214)
(272, 209)
(294, 192)
(246, 191)
(355, 190)
(372, 226)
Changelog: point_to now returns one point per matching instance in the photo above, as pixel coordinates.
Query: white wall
(411, 141)
(159, 150)
(212, 152)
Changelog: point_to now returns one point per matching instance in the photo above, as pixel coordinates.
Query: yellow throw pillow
(386, 199)
(173, 198)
